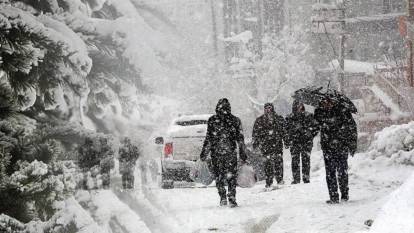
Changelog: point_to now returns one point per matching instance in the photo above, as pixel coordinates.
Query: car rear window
(191, 122)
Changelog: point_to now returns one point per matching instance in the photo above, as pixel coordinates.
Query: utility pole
(329, 19)
(226, 27)
(260, 28)
(342, 38)
(214, 28)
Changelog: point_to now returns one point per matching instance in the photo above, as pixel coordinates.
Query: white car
(181, 147)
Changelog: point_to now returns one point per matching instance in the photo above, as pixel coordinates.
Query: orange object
(402, 25)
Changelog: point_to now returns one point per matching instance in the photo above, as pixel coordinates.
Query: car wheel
(166, 183)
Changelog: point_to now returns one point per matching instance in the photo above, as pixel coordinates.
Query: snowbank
(71, 217)
(395, 142)
(398, 213)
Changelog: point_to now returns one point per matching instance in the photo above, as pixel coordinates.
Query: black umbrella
(310, 96)
(314, 96)
(341, 100)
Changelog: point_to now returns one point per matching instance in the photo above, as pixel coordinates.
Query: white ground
(290, 208)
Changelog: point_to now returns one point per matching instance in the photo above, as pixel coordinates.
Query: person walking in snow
(338, 140)
(106, 162)
(88, 160)
(224, 135)
(268, 136)
(301, 129)
(128, 155)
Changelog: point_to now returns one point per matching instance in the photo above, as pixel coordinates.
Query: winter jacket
(338, 130)
(269, 133)
(128, 155)
(224, 134)
(301, 129)
(88, 155)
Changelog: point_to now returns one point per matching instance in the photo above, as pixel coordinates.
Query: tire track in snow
(148, 209)
(263, 225)
(151, 216)
(117, 227)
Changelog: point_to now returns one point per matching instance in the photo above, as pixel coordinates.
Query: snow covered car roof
(192, 117)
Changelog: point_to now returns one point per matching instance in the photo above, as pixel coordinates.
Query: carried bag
(200, 173)
(246, 177)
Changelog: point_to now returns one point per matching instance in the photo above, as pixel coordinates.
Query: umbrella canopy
(309, 95)
(342, 100)
(314, 96)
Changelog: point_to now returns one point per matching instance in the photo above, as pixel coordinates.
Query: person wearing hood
(224, 136)
(301, 129)
(268, 136)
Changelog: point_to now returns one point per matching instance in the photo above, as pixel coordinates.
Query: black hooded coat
(301, 128)
(224, 134)
(269, 134)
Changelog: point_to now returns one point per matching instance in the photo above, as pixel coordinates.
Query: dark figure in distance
(106, 162)
(88, 159)
(301, 129)
(269, 134)
(338, 139)
(128, 156)
(224, 135)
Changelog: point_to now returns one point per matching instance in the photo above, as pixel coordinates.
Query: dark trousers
(336, 167)
(298, 154)
(106, 180)
(128, 180)
(225, 170)
(273, 168)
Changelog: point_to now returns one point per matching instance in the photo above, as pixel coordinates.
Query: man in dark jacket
(301, 129)
(106, 161)
(88, 159)
(224, 134)
(338, 139)
(128, 156)
(268, 136)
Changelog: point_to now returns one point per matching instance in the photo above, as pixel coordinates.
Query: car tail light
(168, 150)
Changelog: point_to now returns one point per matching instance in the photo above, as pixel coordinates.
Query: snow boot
(331, 202)
(232, 201)
(295, 182)
(223, 201)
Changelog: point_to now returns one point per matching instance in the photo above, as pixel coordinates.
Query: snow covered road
(290, 209)
(297, 208)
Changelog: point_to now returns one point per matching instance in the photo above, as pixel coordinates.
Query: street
(289, 208)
